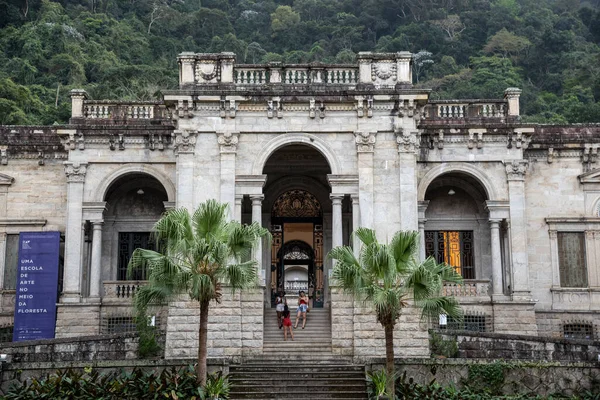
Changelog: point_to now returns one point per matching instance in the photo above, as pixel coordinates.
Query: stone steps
(330, 378)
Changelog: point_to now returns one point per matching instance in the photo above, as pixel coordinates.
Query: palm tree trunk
(389, 359)
(202, 339)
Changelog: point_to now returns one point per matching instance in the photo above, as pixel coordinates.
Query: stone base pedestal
(515, 318)
(235, 326)
(77, 319)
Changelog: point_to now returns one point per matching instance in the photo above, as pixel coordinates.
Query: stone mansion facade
(312, 152)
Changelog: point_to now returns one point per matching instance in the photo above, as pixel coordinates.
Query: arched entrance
(300, 218)
(297, 249)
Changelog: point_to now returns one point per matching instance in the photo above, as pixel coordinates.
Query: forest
(127, 49)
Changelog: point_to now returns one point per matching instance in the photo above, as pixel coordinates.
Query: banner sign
(37, 285)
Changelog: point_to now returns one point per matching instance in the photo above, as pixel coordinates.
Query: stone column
(408, 145)
(185, 143)
(336, 215)
(515, 172)
(496, 257)
(73, 236)
(355, 223)
(237, 209)
(96, 269)
(78, 97)
(257, 217)
(228, 146)
(365, 147)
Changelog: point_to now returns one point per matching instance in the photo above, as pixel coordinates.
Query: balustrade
(295, 75)
(296, 285)
(251, 76)
(102, 110)
(469, 288)
(457, 110)
(120, 291)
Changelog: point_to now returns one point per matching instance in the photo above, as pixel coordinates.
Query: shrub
(173, 383)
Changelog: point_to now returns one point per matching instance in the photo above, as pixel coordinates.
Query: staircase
(301, 369)
(313, 342)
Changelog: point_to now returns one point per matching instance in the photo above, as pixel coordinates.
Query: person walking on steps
(287, 323)
(302, 308)
(280, 303)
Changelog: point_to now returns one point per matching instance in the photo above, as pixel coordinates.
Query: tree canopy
(127, 49)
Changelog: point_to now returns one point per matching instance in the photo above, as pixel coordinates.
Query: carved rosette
(185, 142)
(365, 141)
(75, 172)
(516, 170)
(228, 142)
(384, 73)
(408, 142)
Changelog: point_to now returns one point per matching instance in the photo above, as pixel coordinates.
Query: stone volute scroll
(516, 170)
(365, 141)
(75, 172)
(185, 141)
(228, 141)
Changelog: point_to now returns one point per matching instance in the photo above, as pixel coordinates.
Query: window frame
(472, 269)
(561, 269)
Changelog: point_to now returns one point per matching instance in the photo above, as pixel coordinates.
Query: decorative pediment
(592, 177)
(6, 180)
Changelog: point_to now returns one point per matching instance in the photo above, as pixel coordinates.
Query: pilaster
(73, 237)
(408, 146)
(228, 147)
(515, 173)
(184, 147)
(365, 147)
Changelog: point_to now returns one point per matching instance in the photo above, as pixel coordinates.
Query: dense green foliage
(408, 389)
(170, 384)
(126, 49)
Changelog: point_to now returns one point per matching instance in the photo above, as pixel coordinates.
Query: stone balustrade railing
(462, 110)
(93, 109)
(295, 74)
(469, 288)
(120, 291)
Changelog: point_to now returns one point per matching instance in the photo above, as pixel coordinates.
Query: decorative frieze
(365, 141)
(516, 170)
(228, 108)
(475, 138)
(228, 142)
(274, 108)
(185, 142)
(75, 172)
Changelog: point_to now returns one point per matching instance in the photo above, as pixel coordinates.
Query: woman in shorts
(302, 308)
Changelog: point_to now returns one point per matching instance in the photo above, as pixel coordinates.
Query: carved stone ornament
(408, 142)
(185, 142)
(206, 71)
(365, 141)
(75, 172)
(384, 70)
(228, 142)
(516, 170)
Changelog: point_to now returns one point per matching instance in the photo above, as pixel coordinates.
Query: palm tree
(198, 254)
(389, 276)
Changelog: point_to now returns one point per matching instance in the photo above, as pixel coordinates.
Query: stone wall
(355, 330)
(533, 378)
(516, 347)
(235, 326)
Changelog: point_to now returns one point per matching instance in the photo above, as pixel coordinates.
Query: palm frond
(240, 276)
(210, 219)
(366, 236)
(173, 232)
(434, 306)
(404, 246)
(202, 287)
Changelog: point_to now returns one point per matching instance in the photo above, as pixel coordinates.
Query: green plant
(173, 384)
(389, 276)
(217, 387)
(487, 378)
(377, 383)
(197, 255)
(148, 344)
(439, 346)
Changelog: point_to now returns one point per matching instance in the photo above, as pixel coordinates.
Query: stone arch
(296, 138)
(465, 168)
(108, 180)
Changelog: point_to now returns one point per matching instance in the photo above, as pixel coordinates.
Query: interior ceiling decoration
(297, 204)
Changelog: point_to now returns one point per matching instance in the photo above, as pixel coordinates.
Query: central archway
(297, 197)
